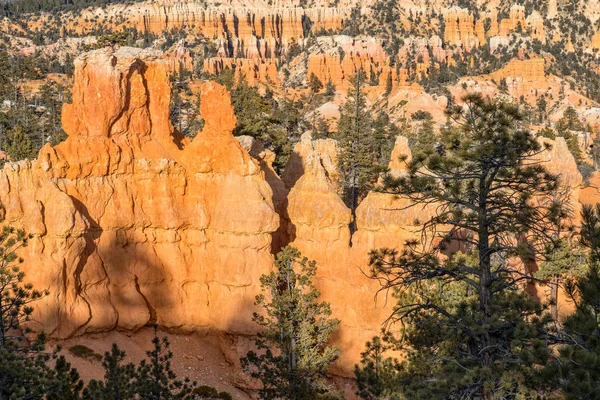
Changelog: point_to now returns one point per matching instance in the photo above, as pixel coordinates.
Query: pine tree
(264, 119)
(154, 378)
(23, 373)
(15, 296)
(293, 355)
(251, 110)
(570, 121)
(563, 260)
(18, 145)
(469, 330)
(24, 369)
(118, 381)
(422, 139)
(577, 370)
(357, 159)
(329, 90)
(321, 130)
(376, 373)
(64, 382)
(383, 137)
(314, 84)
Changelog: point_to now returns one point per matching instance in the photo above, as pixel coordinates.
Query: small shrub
(85, 352)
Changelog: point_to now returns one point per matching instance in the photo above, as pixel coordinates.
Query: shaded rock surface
(134, 223)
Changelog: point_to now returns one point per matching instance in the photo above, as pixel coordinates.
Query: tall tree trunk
(356, 149)
(554, 298)
(485, 278)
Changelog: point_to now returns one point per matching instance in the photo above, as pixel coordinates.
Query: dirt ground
(199, 357)
(207, 358)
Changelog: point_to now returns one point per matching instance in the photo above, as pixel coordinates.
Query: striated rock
(252, 30)
(531, 70)
(590, 194)
(536, 23)
(517, 22)
(366, 54)
(460, 28)
(319, 226)
(266, 157)
(253, 70)
(314, 207)
(296, 166)
(560, 161)
(129, 218)
(516, 18)
(401, 149)
(133, 222)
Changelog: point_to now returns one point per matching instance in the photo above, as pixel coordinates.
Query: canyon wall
(130, 219)
(133, 224)
(240, 30)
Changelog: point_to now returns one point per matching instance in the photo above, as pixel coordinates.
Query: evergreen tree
(151, 379)
(357, 159)
(376, 373)
(15, 296)
(24, 369)
(293, 355)
(577, 370)
(18, 145)
(314, 84)
(64, 382)
(23, 372)
(52, 97)
(154, 378)
(383, 137)
(542, 106)
(321, 130)
(329, 90)
(570, 121)
(273, 123)
(470, 331)
(580, 367)
(563, 260)
(252, 111)
(422, 139)
(118, 378)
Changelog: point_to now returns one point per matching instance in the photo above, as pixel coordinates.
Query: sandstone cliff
(460, 28)
(130, 219)
(134, 224)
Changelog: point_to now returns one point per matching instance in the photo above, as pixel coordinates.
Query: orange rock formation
(254, 70)
(460, 28)
(130, 219)
(134, 224)
(257, 30)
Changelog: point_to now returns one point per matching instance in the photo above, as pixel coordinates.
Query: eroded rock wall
(134, 224)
